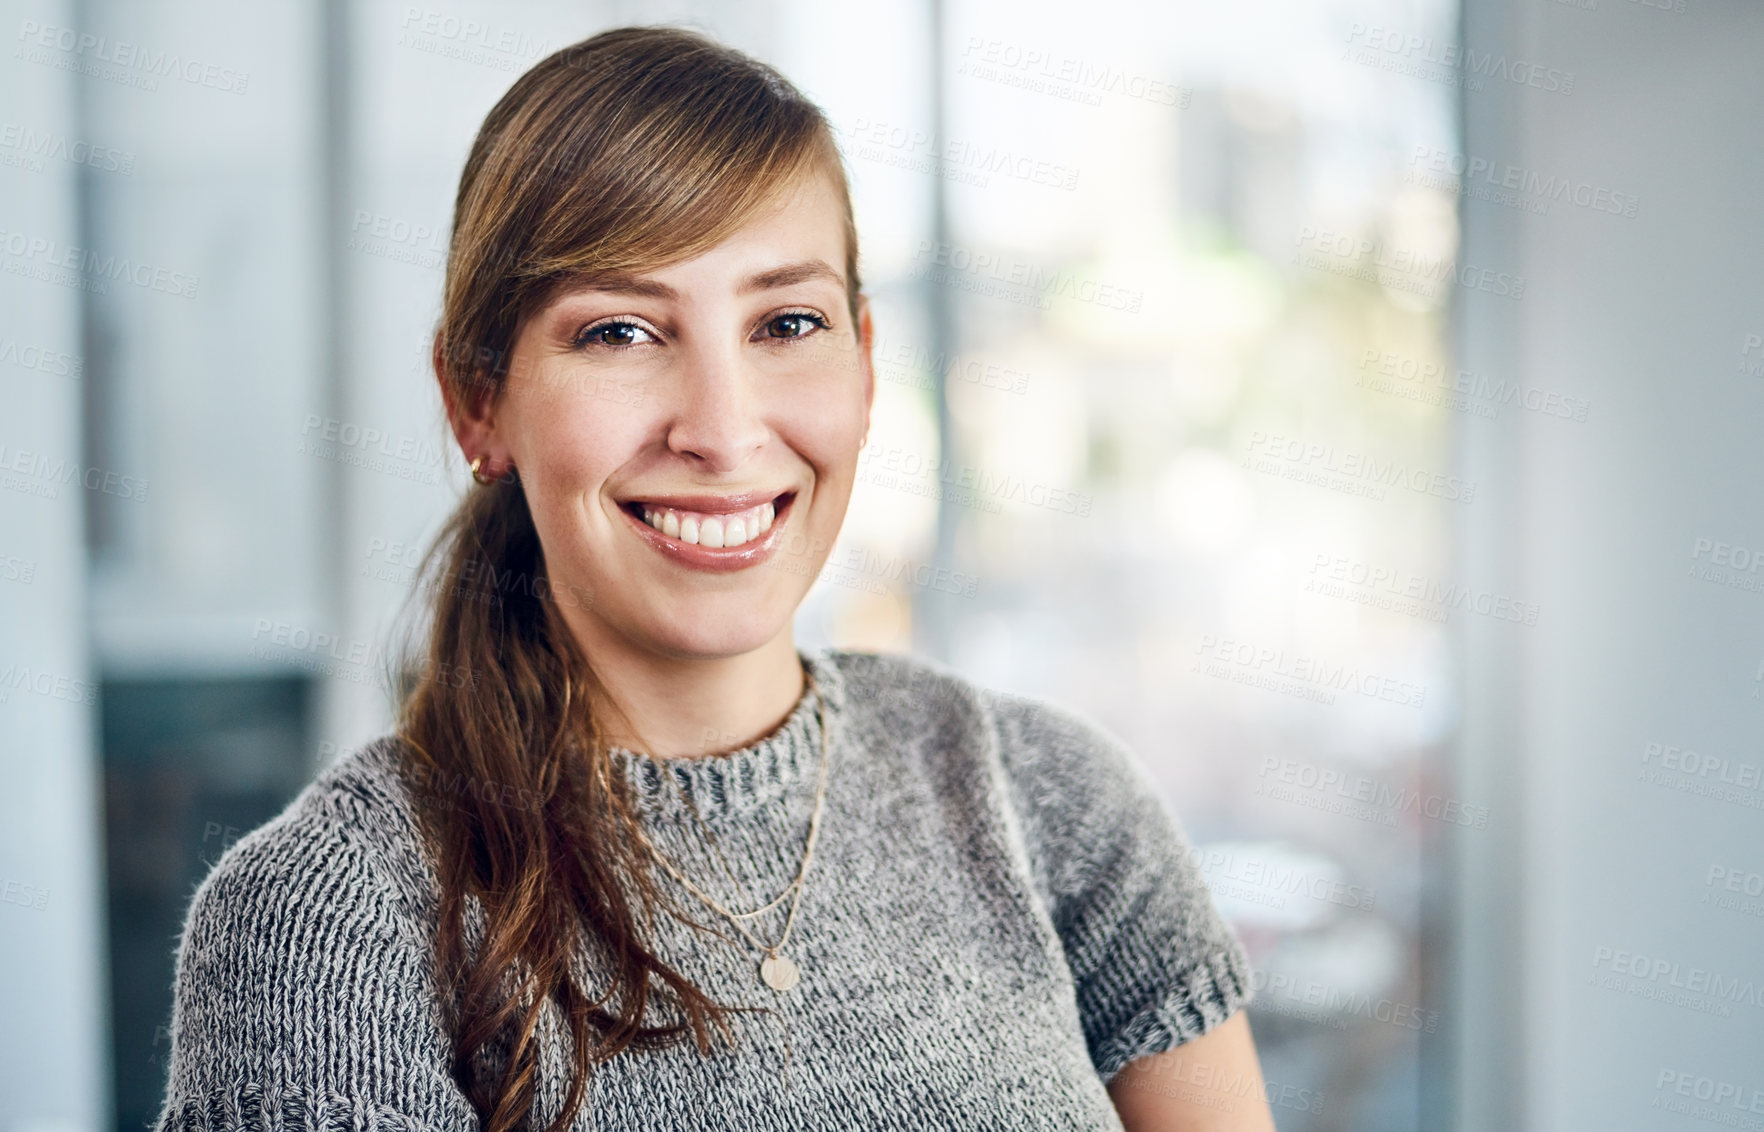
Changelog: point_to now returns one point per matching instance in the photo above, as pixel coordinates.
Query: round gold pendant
(779, 972)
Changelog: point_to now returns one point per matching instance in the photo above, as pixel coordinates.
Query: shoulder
(1033, 733)
(320, 875)
(1062, 767)
(900, 679)
(1082, 800)
(347, 842)
(302, 942)
(905, 682)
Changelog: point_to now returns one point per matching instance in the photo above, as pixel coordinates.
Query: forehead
(803, 220)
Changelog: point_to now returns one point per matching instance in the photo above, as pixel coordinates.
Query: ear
(471, 413)
(866, 343)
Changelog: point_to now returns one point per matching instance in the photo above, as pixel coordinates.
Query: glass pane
(1199, 465)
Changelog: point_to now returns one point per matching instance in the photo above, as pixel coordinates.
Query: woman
(632, 859)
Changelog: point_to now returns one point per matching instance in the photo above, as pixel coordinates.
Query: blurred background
(1356, 405)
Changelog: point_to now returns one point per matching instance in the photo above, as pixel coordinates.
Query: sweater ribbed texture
(1000, 914)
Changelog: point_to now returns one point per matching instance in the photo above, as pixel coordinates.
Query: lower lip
(722, 559)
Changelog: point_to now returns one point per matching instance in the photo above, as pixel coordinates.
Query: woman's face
(688, 437)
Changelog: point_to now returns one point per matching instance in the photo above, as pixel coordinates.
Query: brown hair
(633, 149)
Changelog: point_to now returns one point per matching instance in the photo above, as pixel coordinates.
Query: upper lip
(711, 504)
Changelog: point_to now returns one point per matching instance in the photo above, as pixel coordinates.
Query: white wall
(1599, 522)
(53, 1067)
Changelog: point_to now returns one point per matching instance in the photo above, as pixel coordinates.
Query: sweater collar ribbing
(735, 782)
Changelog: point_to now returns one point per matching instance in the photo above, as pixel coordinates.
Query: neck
(687, 707)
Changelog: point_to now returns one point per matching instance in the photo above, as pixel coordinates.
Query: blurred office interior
(1353, 405)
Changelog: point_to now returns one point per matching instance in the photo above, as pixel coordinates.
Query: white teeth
(714, 531)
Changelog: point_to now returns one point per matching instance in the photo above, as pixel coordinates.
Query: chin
(712, 637)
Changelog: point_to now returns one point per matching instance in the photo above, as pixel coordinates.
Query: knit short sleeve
(299, 1002)
(1153, 961)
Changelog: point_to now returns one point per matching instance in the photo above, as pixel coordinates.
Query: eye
(794, 324)
(615, 332)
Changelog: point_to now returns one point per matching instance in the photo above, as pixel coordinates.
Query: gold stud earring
(477, 462)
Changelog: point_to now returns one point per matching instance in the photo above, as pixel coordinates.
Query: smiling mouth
(711, 530)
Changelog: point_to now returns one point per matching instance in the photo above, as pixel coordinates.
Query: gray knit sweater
(1001, 913)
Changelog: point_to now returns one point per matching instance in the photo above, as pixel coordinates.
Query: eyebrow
(788, 275)
(770, 279)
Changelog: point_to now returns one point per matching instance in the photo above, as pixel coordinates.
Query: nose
(719, 417)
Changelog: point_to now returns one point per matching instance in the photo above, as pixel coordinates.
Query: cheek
(827, 426)
(567, 457)
(567, 452)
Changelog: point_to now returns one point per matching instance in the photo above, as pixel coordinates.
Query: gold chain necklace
(777, 970)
